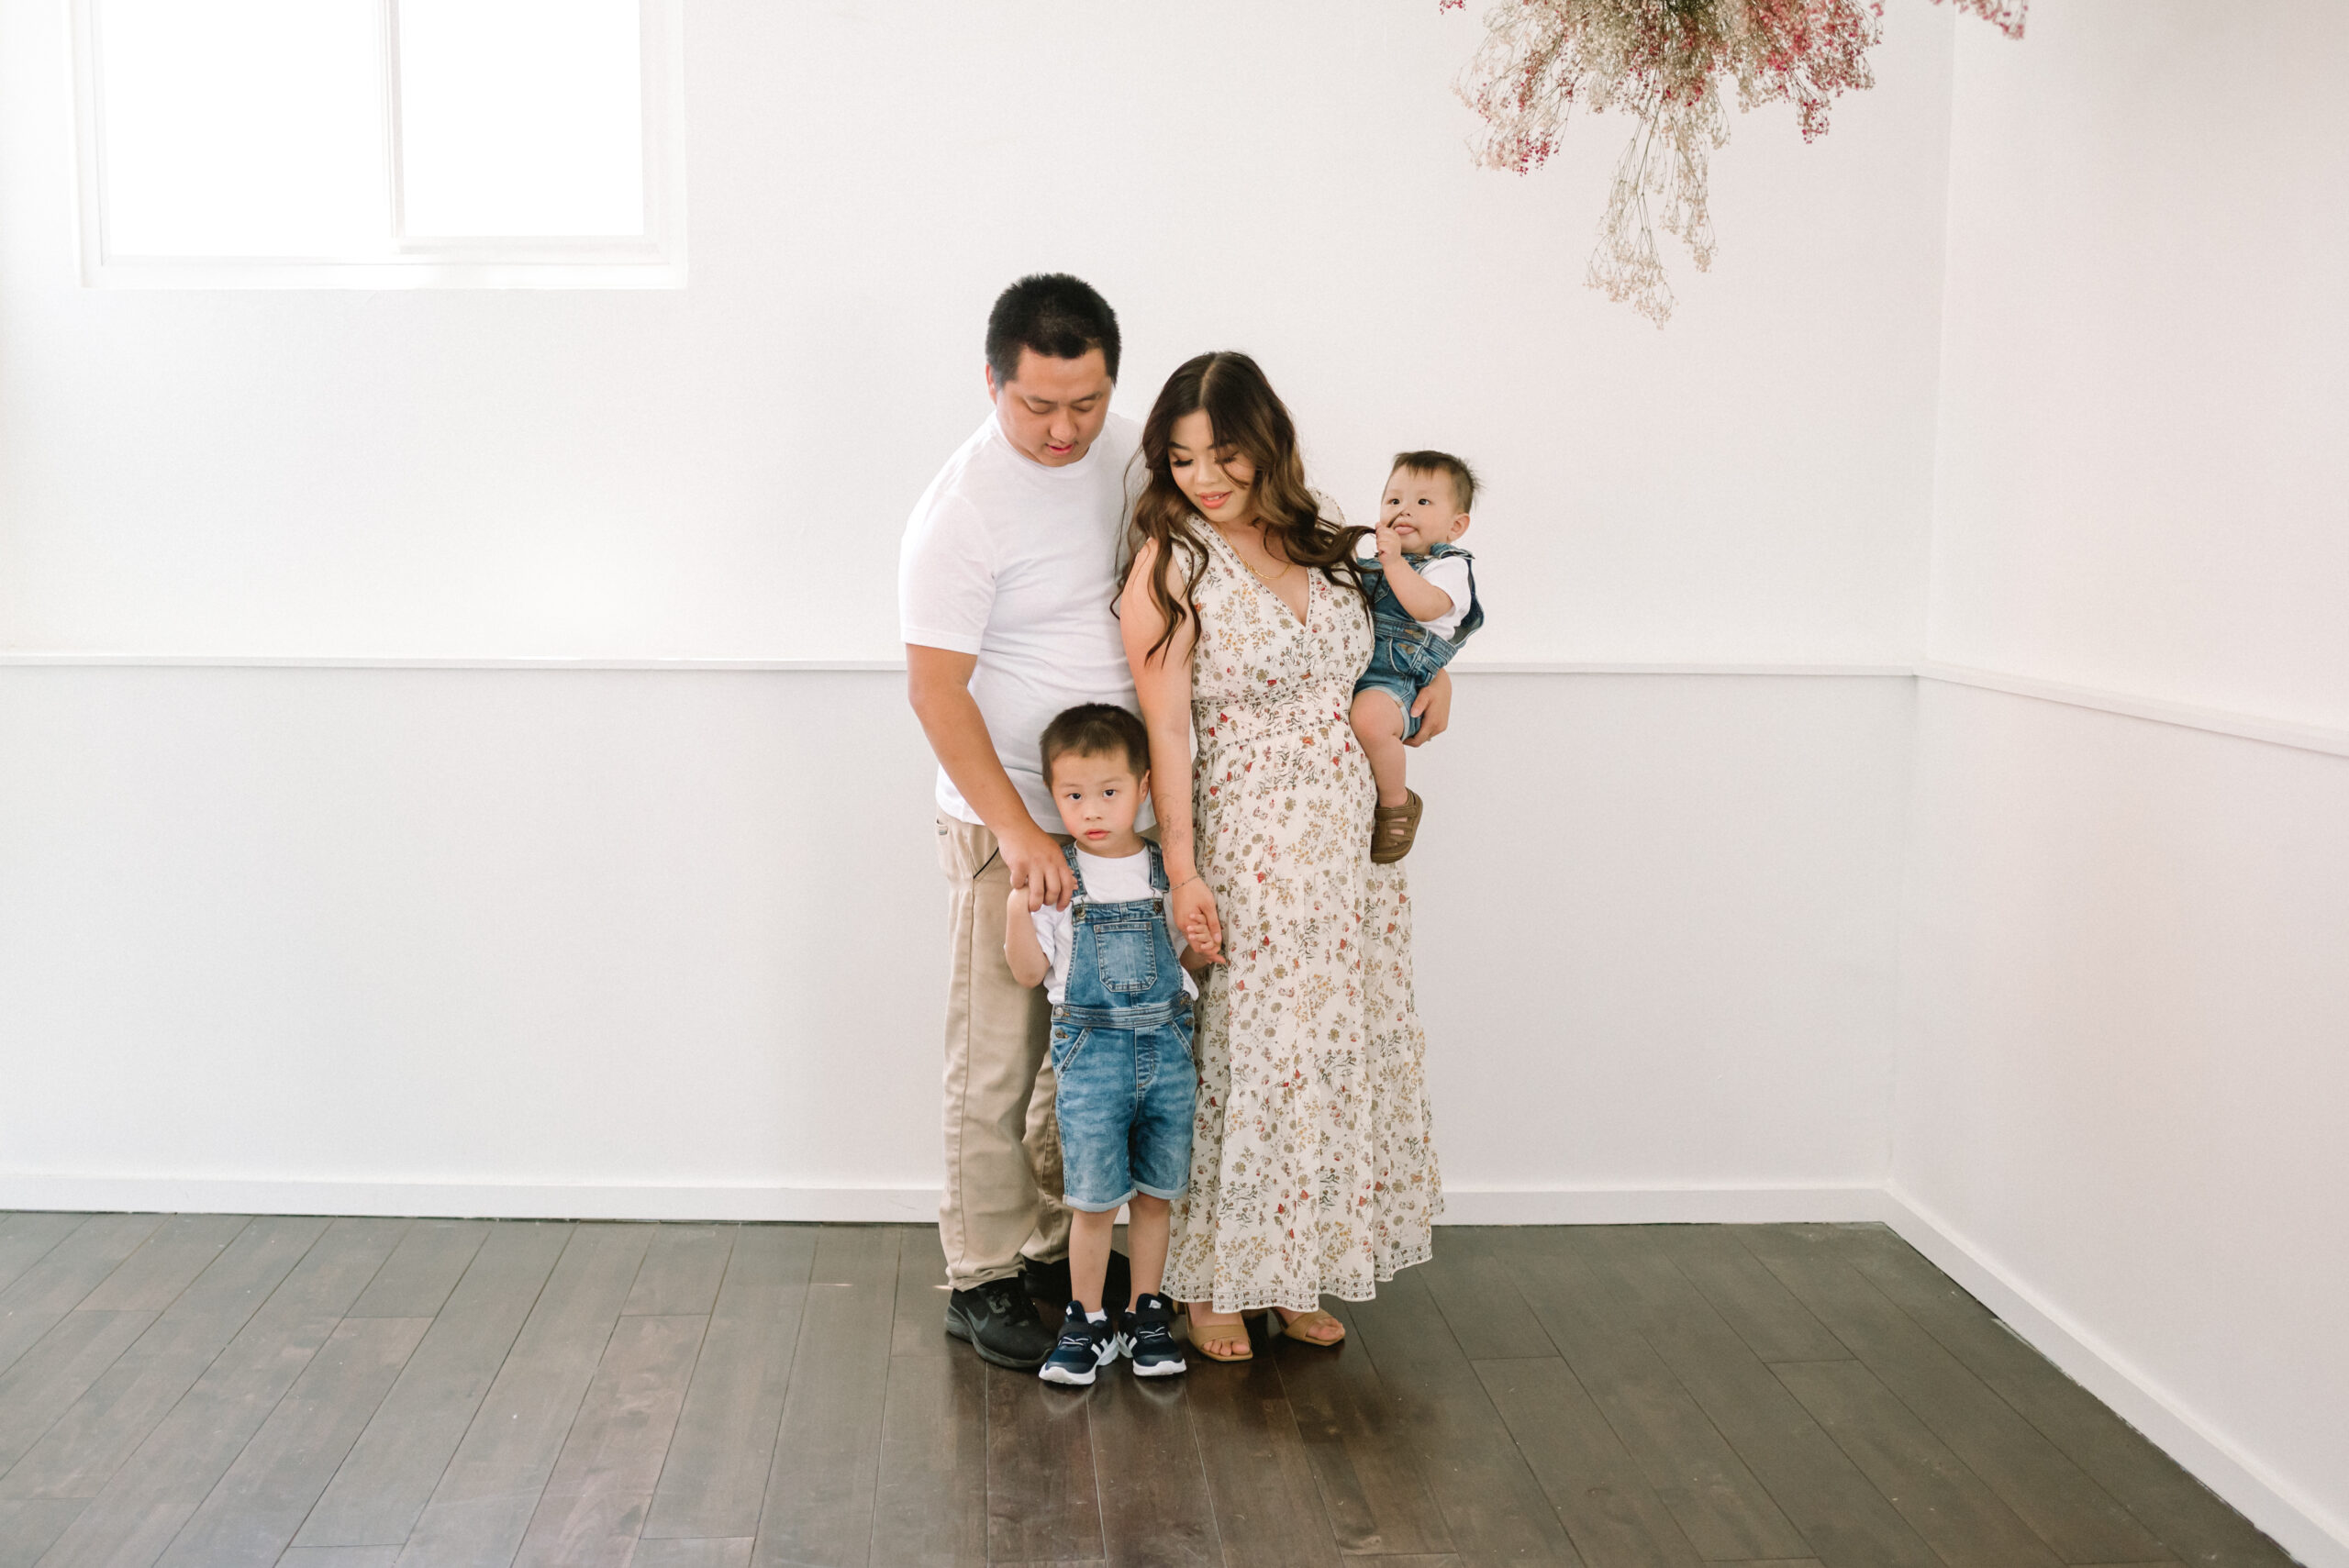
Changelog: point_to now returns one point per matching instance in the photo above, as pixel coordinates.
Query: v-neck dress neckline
(1303, 622)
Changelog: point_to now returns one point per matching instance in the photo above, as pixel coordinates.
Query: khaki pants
(1003, 1146)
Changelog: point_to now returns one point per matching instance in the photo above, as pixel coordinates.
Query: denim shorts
(1397, 686)
(1124, 1103)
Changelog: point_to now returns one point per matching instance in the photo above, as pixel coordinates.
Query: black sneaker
(1146, 1335)
(1000, 1322)
(1083, 1346)
(1050, 1282)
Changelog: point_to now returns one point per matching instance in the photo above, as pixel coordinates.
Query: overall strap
(1157, 870)
(1068, 853)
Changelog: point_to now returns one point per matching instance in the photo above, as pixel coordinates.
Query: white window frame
(654, 260)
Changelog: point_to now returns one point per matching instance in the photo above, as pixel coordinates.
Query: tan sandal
(1293, 1328)
(1198, 1333)
(1393, 827)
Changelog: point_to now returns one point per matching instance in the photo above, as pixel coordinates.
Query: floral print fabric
(1312, 1167)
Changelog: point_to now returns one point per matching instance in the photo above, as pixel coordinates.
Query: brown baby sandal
(1392, 828)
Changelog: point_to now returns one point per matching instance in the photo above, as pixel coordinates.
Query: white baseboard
(2297, 1522)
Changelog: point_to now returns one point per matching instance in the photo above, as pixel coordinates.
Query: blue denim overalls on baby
(1407, 655)
(1121, 1050)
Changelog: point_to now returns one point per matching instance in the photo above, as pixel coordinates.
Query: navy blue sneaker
(1146, 1336)
(1085, 1346)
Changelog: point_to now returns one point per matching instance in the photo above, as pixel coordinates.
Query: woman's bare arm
(1163, 686)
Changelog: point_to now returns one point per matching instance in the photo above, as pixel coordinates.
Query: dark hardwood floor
(205, 1391)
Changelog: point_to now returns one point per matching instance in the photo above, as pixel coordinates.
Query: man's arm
(937, 684)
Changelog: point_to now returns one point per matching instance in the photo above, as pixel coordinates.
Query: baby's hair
(1462, 477)
(1096, 729)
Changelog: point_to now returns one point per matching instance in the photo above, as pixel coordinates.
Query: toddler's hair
(1096, 729)
(1462, 477)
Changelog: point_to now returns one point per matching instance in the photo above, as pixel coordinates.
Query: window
(381, 143)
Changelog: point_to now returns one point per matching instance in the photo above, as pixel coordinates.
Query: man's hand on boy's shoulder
(1037, 866)
(1434, 708)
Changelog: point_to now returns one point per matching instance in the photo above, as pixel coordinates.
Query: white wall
(669, 942)
(2123, 1000)
(598, 939)
(632, 474)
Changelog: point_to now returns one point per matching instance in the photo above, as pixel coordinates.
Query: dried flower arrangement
(1663, 62)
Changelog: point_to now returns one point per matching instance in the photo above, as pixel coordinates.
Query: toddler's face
(1098, 798)
(1422, 510)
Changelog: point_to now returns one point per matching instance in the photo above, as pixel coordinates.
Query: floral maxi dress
(1313, 1170)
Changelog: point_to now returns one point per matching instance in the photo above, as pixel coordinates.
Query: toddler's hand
(1390, 544)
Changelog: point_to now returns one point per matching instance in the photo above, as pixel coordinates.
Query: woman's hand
(1434, 708)
(1192, 908)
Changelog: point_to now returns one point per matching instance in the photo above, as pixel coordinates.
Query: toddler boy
(1118, 975)
(1423, 607)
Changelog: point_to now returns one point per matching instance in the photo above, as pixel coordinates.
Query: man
(1005, 580)
(1007, 569)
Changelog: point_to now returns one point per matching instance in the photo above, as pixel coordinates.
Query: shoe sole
(1158, 1369)
(957, 1329)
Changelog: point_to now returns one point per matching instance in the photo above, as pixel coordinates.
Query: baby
(1117, 972)
(1423, 605)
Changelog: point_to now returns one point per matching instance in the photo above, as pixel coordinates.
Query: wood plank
(179, 1248)
(64, 1276)
(1361, 1458)
(250, 1518)
(1479, 1299)
(91, 1440)
(931, 1502)
(822, 1480)
(1043, 1500)
(144, 1503)
(48, 1380)
(1268, 1511)
(594, 1502)
(384, 1481)
(2058, 1499)
(1748, 1297)
(1725, 1513)
(28, 1526)
(1155, 1511)
(1942, 1500)
(2191, 1522)
(682, 1269)
(1611, 1513)
(717, 1474)
(27, 1239)
(921, 1296)
(1847, 1522)
(482, 1506)
(1493, 1508)
(689, 1551)
(416, 1279)
(340, 1557)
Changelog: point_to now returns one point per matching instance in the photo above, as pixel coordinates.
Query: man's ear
(988, 371)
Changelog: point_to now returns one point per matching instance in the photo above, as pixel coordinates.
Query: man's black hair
(1052, 314)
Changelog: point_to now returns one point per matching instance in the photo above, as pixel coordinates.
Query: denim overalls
(1121, 1049)
(1407, 654)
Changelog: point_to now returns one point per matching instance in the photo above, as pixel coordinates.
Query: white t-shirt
(1449, 572)
(1016, 562)
(1122, 881)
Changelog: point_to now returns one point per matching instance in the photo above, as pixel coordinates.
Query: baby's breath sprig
(1663, 61)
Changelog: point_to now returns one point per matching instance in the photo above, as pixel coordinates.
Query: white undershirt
(1124, 880)
(1449, 572)
(1017, 563)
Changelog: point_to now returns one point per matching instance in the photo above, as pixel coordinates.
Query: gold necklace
(1261, 575)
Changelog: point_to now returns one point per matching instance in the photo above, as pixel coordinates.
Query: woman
(1313, 1169)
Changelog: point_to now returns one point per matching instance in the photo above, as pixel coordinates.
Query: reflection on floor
(209, 1390)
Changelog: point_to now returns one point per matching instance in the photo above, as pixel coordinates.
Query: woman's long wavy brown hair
(1251, 422)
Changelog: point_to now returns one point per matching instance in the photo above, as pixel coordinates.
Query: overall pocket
(1126, 954)
(1065, 1044)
